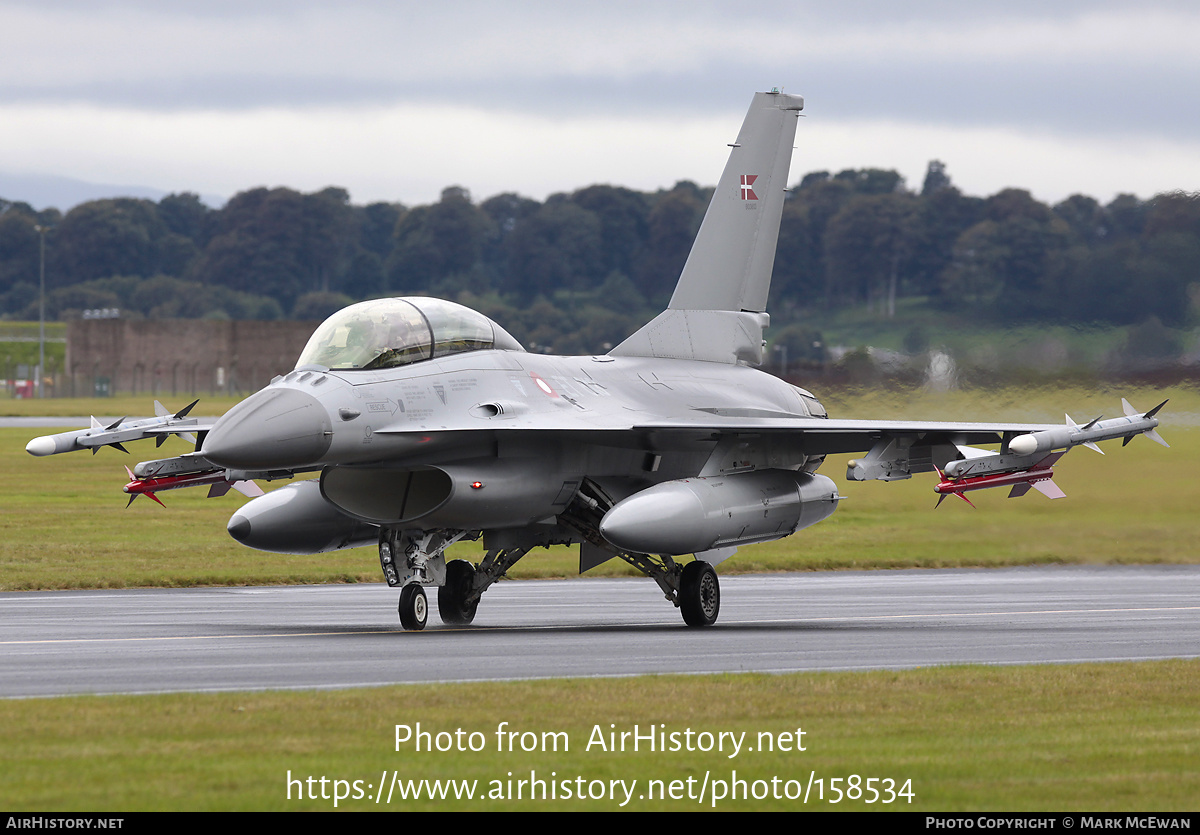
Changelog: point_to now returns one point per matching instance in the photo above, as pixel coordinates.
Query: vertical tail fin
(718, 310)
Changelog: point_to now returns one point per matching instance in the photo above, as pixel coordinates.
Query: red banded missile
(1040, 477)
(217, 478)
(1073, 434)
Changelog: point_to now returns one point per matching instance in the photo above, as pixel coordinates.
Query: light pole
(41, 369)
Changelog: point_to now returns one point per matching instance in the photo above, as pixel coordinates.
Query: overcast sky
(396, 100)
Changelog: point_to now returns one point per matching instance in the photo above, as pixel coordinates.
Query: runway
(314, 637)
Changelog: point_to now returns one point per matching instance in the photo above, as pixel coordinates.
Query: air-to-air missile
(219, 480)
(120, 431)
(1030, 458)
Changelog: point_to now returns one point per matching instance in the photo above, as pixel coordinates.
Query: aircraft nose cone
(277, 428)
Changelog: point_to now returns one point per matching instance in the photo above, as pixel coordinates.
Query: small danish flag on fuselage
(747, 182)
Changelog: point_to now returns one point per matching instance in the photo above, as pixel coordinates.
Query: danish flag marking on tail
(747, 183)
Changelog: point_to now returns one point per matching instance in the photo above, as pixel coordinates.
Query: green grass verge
(1095, 737)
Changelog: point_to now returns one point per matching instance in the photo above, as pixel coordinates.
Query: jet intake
(698, 514)
(296, 519)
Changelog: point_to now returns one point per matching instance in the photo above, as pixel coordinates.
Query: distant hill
(44, 191)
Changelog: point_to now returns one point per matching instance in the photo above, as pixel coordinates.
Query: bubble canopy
(388, 333)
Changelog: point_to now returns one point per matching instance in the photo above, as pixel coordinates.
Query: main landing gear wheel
(414, 608)
(699, 594)
(452, 605)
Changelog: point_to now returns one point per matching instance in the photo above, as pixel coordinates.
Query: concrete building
(177, 356)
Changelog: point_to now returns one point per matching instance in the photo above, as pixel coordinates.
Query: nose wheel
(414, 607)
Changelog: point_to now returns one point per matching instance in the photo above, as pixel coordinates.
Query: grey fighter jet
(429, 424)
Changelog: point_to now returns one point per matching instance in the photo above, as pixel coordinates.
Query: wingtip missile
(117, 433)
(1064, 437)
(45, 445)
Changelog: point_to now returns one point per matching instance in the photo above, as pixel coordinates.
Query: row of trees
(597, 262)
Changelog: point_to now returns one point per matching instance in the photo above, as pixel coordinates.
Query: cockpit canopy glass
(386, 333)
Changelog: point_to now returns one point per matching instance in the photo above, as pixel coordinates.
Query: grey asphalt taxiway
(301, 637)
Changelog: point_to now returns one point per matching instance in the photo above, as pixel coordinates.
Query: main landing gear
(693, 588)
(699, 594)
(456, 603)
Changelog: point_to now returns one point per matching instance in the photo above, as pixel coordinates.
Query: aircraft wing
(823, 436)
(897, 449)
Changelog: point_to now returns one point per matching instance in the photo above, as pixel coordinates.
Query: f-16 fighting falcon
(429, 424)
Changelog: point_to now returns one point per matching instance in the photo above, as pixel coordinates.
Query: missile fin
(248, 488)
(1049, 489)
(1129, 410)
(218, 489)
(1092, 445)
(160, 410)
(1051, 459)
(182, 413)
(1157, 438)
(1018, 490)
(1154, 411)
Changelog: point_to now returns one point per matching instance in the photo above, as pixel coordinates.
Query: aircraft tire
(414, 608)
(699, 594)
(452, 596)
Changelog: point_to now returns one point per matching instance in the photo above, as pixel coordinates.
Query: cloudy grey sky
(395, 100)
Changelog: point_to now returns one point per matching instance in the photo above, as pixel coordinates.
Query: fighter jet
(429, 424)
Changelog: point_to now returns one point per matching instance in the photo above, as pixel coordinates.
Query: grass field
(1121, 737)
(1097, 737)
